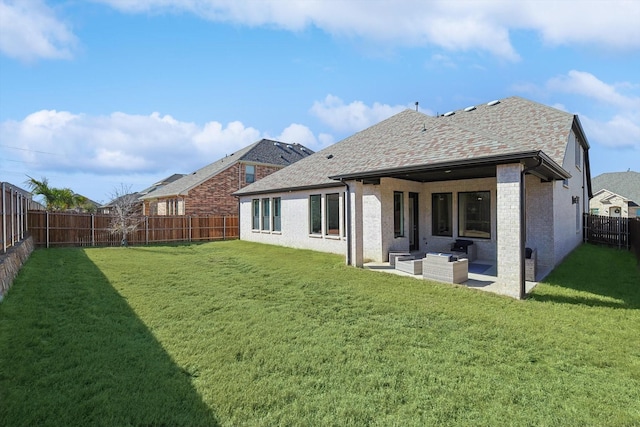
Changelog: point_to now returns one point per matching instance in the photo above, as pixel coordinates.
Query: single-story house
(616, 194)
(507, 175)
(208, 191)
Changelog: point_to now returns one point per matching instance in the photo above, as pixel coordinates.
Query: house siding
(567, 216)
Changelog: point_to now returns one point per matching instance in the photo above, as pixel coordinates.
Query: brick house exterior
(208, 191)
(512, 176)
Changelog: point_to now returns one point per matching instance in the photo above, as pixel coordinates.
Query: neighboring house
(616, 194)
(208, 191)
(417, 182)
(85, 205)
(108, 207)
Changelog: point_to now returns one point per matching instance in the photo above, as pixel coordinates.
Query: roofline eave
(554, 171)
(289, 189)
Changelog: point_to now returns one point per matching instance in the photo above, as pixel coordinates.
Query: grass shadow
(72, 352)
(595, 276)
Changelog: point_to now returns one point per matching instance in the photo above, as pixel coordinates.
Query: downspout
(348, 215)
(523, 228)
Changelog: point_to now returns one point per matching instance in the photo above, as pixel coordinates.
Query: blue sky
(99, 94)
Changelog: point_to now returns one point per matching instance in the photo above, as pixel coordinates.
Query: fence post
(224, 227)
(93, 230)
(146, 229)
(190, 229)
(47, 228)
(20, 218)
(4, 220)
(12, 220)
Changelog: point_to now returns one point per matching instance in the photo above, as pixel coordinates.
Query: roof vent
(470, 108)
(492, 103)
(450, 113)
(303, 149)
(277, 144)
(330, 156)
(289, 146)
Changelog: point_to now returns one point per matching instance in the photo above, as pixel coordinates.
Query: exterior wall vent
(492, 103)
(471, 108)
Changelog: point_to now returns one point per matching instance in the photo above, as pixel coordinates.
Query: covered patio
(482, 275)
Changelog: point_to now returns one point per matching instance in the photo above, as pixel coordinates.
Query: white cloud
(453, 25)
(121, 143)
(214, 139)
(622, 129)
(30, 30)
(299, 134)
(351, 117)
(586, 84)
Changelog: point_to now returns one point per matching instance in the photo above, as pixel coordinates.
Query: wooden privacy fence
(81, 229)
(634, 237)
(607, 230)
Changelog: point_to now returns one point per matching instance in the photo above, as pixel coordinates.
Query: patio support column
(509, 227)
(355, 218)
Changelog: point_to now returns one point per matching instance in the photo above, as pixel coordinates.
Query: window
(474, 214)
(332, 203)
(276, 214)
(174, 207)
(595, 211)
(255, 203)
(442, 220)
(249, 174)
(315, 214)
(398, 214)
(266, 217)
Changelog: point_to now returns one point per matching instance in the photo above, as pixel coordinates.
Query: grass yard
(237, 333)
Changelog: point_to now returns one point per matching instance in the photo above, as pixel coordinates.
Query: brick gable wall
(214, 196)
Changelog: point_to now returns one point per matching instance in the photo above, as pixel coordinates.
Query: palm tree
(56, 199)
(41, 188)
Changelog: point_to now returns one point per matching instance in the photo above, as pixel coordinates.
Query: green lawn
(237, 333)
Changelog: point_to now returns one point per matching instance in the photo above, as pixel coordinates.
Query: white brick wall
(567, 230)
(295, 223)
(539, 220)
(508, 223)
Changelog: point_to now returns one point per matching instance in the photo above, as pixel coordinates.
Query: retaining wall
(11, 263)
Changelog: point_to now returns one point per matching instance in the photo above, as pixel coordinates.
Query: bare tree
(124, 209)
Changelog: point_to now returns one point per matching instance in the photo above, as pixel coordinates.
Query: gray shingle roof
(265, 151)
(625, 184)
(409, 138)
